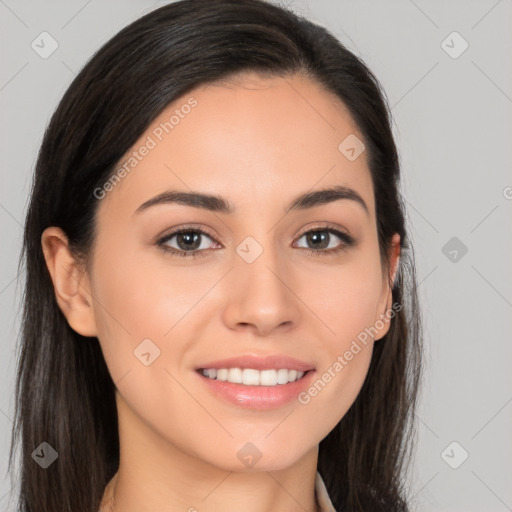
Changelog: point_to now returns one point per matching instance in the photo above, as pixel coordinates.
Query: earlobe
(70, 282)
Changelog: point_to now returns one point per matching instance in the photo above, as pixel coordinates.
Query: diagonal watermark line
(280, 423)
(305, 99)
(503, 407)
(425, 425)
(3, 3)
(120, 379)
(300, 299)
(504, 298)
(422, 216)
(219, 218)
(498, 2)
(424, 14)
(314, 185)
(190, 309)
(14, 76)
(491, 490)
(9, 492)
(68, 67)
(285, 490)
(8, 417)
(484, 218)
(415, 85)
(428, 275)
(198, 402)
(89, 292)
(11, 215)
(492, 81)
(421, 489)
(8, 284)
(106, 311)
(107, 506)
(217, 486)
(76, 14)
(354, 45)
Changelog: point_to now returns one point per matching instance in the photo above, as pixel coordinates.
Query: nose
(261, 295)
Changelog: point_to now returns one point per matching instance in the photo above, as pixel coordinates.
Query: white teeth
(251, 377)
(268, 378)
(235, 375)
(282, 376)
(222, 374)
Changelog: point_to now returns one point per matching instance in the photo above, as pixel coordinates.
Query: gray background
(453, 124)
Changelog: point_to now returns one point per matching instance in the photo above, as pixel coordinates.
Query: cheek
(345, 297)
(345, 301)
(141, 320)
(147, 305)
(145, 294)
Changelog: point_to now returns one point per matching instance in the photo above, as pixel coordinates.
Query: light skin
(259, 143)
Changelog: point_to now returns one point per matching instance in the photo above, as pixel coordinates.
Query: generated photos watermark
(151, 142)
(343, 360)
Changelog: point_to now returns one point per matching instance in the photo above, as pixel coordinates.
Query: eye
(189, 242)
(322, 240)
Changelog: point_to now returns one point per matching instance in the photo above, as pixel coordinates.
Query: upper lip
(273, 362)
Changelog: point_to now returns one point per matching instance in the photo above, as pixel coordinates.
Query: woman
(220, 308)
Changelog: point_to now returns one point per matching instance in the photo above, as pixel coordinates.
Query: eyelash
(346, 242)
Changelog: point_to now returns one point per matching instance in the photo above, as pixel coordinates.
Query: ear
(70, 282)
(382, 322)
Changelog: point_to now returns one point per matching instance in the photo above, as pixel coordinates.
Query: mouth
(253, 389)
(252, 376)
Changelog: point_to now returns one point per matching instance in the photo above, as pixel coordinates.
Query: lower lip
(258, 397)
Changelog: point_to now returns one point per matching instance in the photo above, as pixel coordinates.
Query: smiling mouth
(252, 377)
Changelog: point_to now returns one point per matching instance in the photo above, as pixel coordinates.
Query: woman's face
(260, 282)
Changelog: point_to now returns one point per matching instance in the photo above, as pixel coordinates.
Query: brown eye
(321, 240)
(189, 242)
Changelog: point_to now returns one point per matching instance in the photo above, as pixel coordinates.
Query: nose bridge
(260, 292)
(259, 265)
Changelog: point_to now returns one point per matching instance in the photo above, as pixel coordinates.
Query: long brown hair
(64, 392)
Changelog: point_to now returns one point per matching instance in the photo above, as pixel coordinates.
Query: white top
(322, 496)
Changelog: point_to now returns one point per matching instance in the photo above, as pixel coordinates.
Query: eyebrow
(219, 204)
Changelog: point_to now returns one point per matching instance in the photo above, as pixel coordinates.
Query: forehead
(253, 140)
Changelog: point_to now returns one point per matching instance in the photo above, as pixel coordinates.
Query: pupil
(189, 238)
(318, 234)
